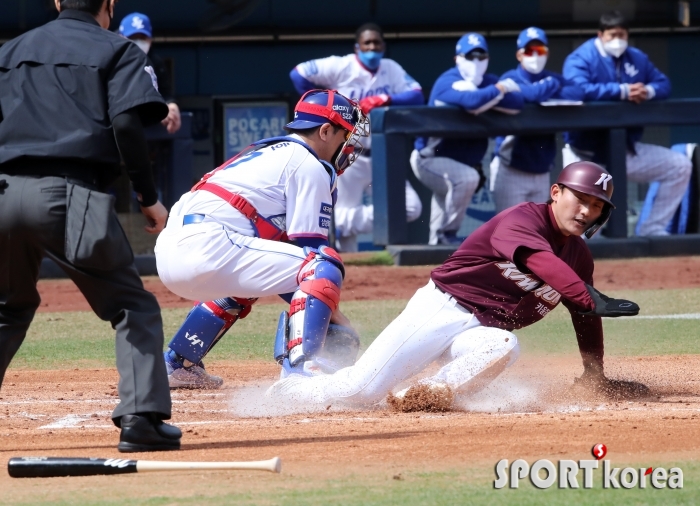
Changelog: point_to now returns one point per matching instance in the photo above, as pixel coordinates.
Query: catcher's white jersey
(284, 182)
(349, 77)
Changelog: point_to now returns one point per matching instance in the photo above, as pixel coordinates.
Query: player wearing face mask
(137, 28)
(451, 168)
(521, 164)
(608, 70)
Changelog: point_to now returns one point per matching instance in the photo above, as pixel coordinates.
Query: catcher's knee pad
(205, 324)
(320, 278)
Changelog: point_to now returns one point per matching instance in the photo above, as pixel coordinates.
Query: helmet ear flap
(600, 222)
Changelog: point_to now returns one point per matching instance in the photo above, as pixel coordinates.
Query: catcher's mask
(591, 179)
(317, 107)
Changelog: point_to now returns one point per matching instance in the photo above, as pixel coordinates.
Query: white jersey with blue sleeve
(347, 75)
(285, 183)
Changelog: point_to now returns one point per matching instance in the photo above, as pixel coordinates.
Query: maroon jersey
(517, 267)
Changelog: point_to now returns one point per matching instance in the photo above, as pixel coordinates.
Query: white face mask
(615, 47)
(472, 71)
(144, 45)
(534, 64)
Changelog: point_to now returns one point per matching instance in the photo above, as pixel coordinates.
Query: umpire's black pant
(32, 225)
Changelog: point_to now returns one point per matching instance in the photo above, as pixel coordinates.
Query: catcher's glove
(617, 390)
(605, 306)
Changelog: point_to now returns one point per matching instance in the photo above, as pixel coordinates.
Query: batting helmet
(591, 179)
(317, 107)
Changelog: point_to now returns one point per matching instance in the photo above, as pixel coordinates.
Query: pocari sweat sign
(245, 123)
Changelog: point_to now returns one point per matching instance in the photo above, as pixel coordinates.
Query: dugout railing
(395, 128)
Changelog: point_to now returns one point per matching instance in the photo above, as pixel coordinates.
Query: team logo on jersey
(154, 80)
(324, 222)
(630, 69)
(530, 283)
(326, 209)
(603, 180)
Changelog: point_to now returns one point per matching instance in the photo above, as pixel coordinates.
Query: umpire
(73, 96)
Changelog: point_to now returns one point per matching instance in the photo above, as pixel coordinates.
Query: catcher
(508, 274)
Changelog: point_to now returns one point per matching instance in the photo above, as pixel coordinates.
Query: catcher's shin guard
(205, 324)
(320, 278)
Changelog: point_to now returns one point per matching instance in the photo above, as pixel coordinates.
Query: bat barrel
(51, 467)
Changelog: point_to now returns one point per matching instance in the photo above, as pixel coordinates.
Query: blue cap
(469, 42)
(530, 34)
(315, 108)
(135, 23)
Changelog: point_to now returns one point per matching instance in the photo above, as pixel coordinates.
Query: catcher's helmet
(591, 179)
(317, 107)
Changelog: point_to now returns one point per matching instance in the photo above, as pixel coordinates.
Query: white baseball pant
(204, 261)
(352, 217)
(653, 163)
(432, 327)
(453, 185)
(511, 186)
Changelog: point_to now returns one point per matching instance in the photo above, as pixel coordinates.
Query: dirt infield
(530, 412)
(386, 282)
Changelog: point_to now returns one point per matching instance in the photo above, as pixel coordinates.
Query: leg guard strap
(324, 290)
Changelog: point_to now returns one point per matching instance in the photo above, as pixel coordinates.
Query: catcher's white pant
(352, 217)
(453, 185)
(432, 327)
(204, 261)
(654, 163)
(511, 186)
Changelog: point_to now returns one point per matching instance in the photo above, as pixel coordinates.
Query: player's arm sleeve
(131, 141)
(541, 90)
(301, 84)
(577, 70)
(322, 73)
(405, 90)
(309, 203)
(132, 84)
(657, 83)
(589, 335)
(410, 97)
(569, 90)
(451, 92)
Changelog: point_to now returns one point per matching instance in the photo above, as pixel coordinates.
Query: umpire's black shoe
(145, 432)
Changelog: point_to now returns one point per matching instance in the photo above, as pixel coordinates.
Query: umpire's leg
(118, 296)
(20, 258)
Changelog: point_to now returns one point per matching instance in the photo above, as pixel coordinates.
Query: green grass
(69, 340)
(452, 487)
(376, 258)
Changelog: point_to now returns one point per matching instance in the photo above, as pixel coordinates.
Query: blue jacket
(600, 75)
(451, 89)
(535, 153)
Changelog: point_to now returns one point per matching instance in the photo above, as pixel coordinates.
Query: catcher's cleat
(193, 377)
(436, 397)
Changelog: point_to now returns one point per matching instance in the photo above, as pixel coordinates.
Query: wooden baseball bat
(49, 467)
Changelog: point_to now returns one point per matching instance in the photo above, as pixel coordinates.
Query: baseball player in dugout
(521, 164)
(373, 81)
(137, 28)
(451, 168)
(258, 225)
(508, 274)
(608, 69)
(73, 97)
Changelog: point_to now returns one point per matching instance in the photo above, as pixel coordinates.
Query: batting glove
(369, 103)
(606, 306)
